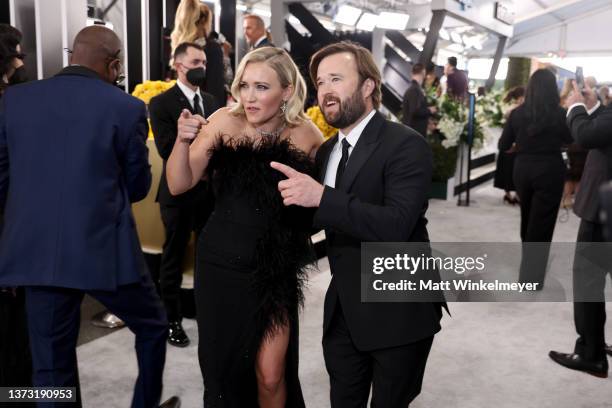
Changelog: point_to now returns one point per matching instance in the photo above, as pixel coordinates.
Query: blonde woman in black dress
(252, 253)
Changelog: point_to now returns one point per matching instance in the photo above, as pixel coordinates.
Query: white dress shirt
(594, 108)
(589, 111)
(336, 153)
(190, 94)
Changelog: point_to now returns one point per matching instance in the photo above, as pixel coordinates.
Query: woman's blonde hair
(565, 91)
(191, 17)
(288, 74)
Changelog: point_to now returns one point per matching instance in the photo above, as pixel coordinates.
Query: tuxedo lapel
(367, 143)
(325, 159)
(183, 102)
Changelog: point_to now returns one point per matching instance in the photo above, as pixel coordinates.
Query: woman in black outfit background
(504, 170)
(15, 358)
(538, 128)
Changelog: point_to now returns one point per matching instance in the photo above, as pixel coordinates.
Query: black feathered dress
(252, 257)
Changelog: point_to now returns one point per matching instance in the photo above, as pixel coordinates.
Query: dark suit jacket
(414, 108)
(546, 139)
(215, 72)
(592, 132)
(264, 43)
(165, 110)
(457, 84)
(75, 168)
(382, 197)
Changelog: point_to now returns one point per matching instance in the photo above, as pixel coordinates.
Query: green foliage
(445, 160)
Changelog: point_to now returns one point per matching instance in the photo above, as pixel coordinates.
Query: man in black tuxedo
(187, 212)
(414, 107)
(590, 124)
(255, 33)
(375, 175)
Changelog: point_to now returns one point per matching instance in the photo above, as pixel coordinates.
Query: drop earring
(283, 107)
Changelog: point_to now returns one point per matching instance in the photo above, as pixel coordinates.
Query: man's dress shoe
(177, 336)
(576, 362)
(173, 402)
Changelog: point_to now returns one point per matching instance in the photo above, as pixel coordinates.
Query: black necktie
(343, 160)
(197, 110)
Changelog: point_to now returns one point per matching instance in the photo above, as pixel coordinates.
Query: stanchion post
(470, 139)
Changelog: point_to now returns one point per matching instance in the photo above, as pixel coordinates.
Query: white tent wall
(564, 28)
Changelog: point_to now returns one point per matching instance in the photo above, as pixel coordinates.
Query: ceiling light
(241, 7)
(347, 15)
(456, 37)
(444, 34)
(458, 48)
(367, 22)
(392, 21)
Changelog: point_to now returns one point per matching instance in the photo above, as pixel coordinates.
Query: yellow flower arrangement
(315, 114)
(147, 90)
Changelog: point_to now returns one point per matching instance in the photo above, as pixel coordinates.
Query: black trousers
(15, 357)
(591, 266)
(539, 183)
(179, 222)
(54, 317)
(395, 374)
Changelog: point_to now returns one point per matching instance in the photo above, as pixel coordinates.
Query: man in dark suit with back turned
(187, 212)
(68, 174)
(376, 175)
(591, 127)
(414, 106)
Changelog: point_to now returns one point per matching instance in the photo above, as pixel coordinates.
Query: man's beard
(349, 110)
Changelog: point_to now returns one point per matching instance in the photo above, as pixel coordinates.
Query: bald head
(97, 48)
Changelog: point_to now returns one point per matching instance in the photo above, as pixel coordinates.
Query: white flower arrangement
(452, 131)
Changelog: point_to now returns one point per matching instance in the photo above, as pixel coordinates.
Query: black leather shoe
(177, 336)
(173, 402)
(576, 362)
(608, 349)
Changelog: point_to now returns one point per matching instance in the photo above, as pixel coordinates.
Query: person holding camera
(590, 125)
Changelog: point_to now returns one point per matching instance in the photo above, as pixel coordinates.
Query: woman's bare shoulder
(224, 122)
(306, 136)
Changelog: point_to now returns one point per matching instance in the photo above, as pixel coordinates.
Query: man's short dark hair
(183, 47)
(418, 68)
(452, 61)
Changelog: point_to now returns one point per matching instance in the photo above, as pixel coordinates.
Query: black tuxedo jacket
(382, 197)
(165, 110)
(592, 132)
(414, 109)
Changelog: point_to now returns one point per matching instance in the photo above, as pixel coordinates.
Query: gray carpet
(487, 354)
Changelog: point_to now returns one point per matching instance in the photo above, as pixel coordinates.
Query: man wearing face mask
(69, 230)
(186, 212)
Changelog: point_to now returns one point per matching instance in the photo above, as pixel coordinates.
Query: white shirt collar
(256, 43)
(188, 92)
(354, 134)
(594, 108)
